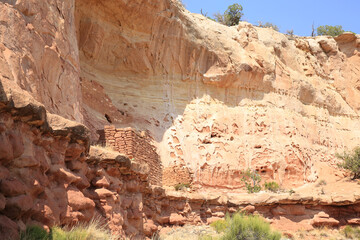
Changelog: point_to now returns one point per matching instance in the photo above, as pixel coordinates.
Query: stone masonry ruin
(135, 145)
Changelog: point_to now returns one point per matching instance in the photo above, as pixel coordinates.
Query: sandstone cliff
(220, 99)
(216, 100)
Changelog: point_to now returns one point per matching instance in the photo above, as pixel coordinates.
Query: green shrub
(351, 161)
(231, 16)
(321, 183)
(181, 186)
(268, 25)
(220, 225)
(348, 231)
(34, 233)
(249, 228)
(206, 237)
(351, 232)
(272, 186)
(330, 30)
(252, 181)
(89, 231)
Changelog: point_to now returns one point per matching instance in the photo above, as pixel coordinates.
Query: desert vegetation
(231, 16)
(330, 30)
(243, 227)
(351, 232)
(252, 181)
(181, 186)
(91, 231)
(272, 186)
(351, 162)
(269, 25)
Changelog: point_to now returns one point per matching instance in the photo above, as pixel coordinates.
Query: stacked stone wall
(176, 175)
(135, 145)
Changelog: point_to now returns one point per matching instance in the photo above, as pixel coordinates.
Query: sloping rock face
(216, 99)
(38, 51)
(38, 151)
(49, 176)
(220, 99)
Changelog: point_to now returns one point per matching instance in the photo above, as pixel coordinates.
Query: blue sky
(289, 14)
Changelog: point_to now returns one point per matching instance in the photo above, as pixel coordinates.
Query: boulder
(323, 219)
(346, 37)
(17, 206)
(248, 209)
(6, 151)
(2, 202)
(103, 193)
(12, 187)
(354, 221)
(177, 219)
(149, 228)
(210, 220)
(77, 200)
(8, 228)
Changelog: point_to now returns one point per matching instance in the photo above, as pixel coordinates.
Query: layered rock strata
(38, 51)
(47, 177)
(218, 99)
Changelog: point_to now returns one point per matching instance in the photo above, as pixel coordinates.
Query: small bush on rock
(181, 186)
(268, 25)
(330, 30)
(272, 186)
(252, 181)
(231, 16)
(321, 183)
(351, 161)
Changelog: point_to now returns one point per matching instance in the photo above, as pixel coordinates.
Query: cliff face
(217, 100)
(38, 51)
(220, 99)
(49, 176)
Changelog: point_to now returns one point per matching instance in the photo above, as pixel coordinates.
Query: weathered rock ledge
(49, 176)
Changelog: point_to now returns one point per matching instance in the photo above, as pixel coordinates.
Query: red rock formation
(217, 100)
(39, 52)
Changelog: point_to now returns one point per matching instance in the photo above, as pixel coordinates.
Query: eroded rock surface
(217, 100)
(220, 99)
(38, 51)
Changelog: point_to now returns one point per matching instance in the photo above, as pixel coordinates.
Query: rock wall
(287, 214)
(138, 147)
(39, 52)
(42, 162)
(47, 177)
(218, 99)
(50, 177)
(177, 174)
(117, 188)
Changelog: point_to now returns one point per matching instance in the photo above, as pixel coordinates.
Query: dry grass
(93, 230)
(105, 148)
